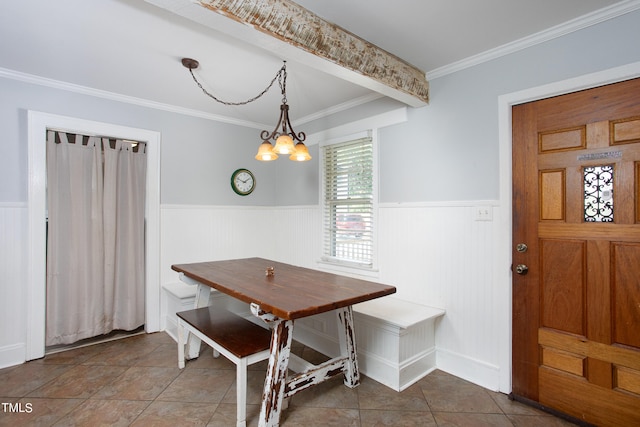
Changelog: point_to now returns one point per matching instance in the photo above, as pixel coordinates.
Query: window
(349, 202)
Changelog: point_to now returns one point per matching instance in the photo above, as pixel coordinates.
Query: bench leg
(347, 340)
(181, 344)
(203, 293)
(241, 393)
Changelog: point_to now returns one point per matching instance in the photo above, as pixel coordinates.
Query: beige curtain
(95, 241)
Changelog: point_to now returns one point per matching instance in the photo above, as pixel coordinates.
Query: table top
(290, 293)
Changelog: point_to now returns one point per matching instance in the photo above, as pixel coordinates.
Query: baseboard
(393, 376)
(476, 371)
(416, 369)
(12, 355)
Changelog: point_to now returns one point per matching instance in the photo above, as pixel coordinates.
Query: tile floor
(135, 381)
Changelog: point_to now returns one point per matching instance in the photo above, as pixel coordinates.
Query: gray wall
(197, 158)
(449, 149)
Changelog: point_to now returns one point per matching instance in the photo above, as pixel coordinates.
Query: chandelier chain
(281, 76)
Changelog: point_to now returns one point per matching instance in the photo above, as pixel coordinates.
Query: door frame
(504, 227)
(36, 261)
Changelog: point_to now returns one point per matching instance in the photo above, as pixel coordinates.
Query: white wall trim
(112, 96)
(13, 205)
(36, 263)
(338, 108)
(387, 205)
(232, 207)
(474, 370)
(571, 26)
(502, 274)
(11, 355)
(85, 90)
(439, 204)
(388, 118)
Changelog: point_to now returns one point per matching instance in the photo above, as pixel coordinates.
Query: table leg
(276, 380)
(347, 340)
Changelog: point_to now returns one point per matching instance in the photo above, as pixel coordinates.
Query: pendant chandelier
(287, 141)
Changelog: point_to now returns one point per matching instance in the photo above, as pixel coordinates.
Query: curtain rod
(96, 136)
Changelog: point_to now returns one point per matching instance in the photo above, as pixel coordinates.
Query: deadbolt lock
(521, 247)
(521, 269)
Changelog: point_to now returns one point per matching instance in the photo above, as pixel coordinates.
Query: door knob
(521, 269)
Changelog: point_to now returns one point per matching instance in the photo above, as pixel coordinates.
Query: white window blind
(349, 203)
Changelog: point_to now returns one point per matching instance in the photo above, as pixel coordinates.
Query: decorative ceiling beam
(342, 53)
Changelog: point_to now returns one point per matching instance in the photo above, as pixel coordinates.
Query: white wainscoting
(440, 255)
(437, 255)
(13, 250)
(206, 233)
(193, 233)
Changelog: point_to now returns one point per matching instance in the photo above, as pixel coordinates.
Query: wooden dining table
(280, 293)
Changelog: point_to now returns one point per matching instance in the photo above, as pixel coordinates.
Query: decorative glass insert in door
(598, 193)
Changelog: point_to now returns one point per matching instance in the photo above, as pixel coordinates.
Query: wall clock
(243, 182)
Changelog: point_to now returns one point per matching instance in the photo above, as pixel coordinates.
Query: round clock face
(243, 182)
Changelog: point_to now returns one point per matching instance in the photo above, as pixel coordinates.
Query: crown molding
(112, 96)
(339, 107)
(568, 27)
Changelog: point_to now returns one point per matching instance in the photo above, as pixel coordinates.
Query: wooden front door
(576, 283)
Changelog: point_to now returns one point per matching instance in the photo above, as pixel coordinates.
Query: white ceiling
(132, 48)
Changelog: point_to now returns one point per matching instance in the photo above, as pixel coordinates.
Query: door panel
(625, 260)
(562, 287)
(576, 205)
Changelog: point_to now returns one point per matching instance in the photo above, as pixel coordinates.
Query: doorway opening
(95, 237)
(36, 285)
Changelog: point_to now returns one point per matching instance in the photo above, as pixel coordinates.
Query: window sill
(348, 269)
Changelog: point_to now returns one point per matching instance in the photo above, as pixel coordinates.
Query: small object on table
(270, 271)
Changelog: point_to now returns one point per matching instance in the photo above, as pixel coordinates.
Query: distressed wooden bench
(242, 342)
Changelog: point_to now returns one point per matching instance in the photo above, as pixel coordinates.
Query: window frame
(343, 265)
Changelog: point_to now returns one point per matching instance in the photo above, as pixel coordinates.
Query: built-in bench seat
(395, 340)
(236, 338)
(179, 296)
